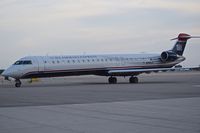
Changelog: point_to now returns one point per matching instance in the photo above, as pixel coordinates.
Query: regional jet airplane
(103, 65)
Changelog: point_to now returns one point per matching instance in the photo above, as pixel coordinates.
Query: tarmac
(160, 102)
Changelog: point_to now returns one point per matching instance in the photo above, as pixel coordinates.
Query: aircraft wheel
(112, 80)
(18, 83)
(133, 80)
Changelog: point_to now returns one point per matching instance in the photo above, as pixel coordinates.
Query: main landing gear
(18, 83)
(112, 80)
(132, 79)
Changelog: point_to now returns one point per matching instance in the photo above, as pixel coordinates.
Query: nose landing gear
(17, 83)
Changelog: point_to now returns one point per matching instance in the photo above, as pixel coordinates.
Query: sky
(71, 27)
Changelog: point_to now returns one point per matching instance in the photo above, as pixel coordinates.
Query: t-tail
(179, 47)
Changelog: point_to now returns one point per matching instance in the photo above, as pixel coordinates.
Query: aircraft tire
(112, 80)
(133, 80)
(18, 83)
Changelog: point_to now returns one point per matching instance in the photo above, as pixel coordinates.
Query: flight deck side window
(18, 63)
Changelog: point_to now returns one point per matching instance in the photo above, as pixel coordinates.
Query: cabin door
(41, 63)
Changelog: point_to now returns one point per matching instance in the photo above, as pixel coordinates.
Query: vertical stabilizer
(179, 46)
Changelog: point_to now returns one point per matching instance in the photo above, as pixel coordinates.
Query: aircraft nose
(6, 73)
(11, 72)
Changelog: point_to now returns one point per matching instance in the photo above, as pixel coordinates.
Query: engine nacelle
(168, 56)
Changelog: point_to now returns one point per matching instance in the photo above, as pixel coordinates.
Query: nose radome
(8, 72)
(12, 72)
(5, 73)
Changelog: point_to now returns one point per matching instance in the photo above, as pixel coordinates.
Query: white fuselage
(52, 66)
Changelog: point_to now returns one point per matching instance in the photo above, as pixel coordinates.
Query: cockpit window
(18, 62)
(24, 62)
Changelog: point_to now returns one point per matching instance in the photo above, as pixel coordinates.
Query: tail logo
(179, 47)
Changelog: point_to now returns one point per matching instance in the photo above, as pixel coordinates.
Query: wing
(128, 72)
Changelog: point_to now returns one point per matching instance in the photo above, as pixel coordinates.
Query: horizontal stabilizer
(183, 36)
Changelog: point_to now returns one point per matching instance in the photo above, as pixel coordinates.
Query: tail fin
(179, 46)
